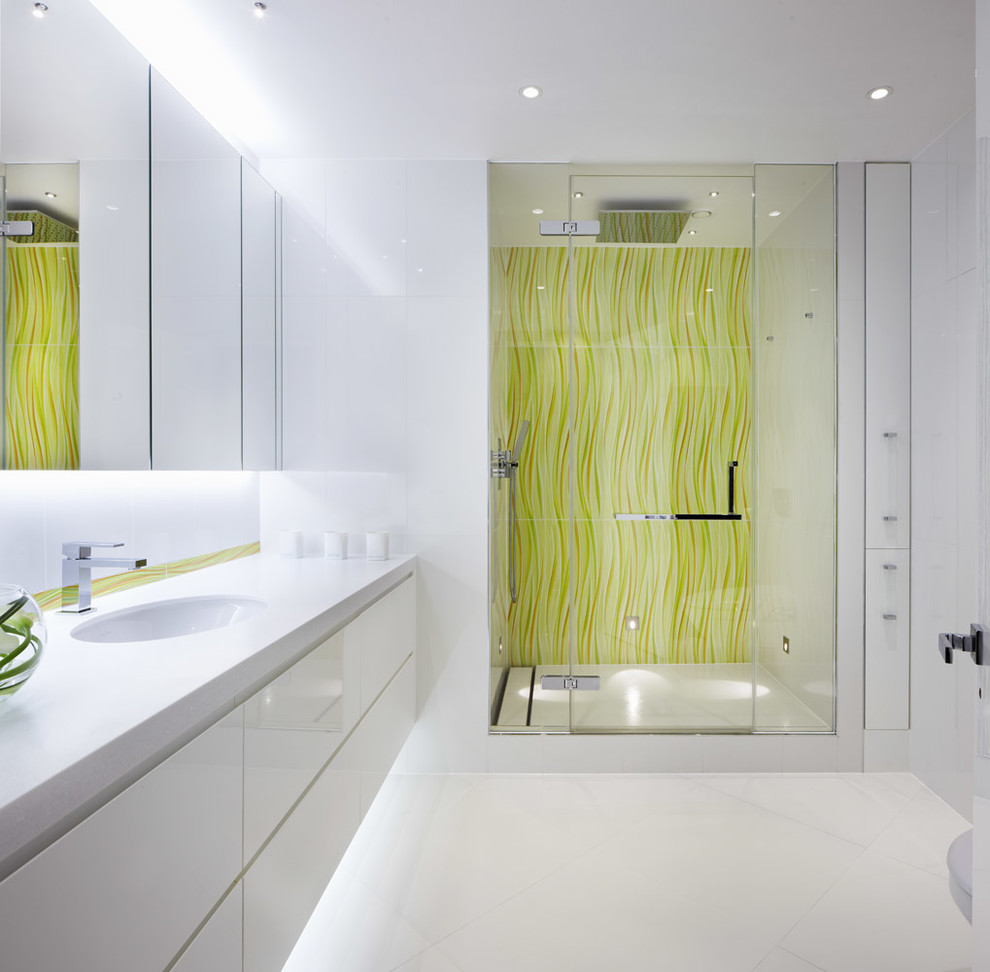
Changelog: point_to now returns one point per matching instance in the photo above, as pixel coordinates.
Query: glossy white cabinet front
(291, 728)
(285, 881)
(127, 887)
(217, 948)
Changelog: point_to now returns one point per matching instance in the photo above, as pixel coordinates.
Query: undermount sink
(169, 619)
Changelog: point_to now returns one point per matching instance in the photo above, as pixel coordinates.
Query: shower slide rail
(731, 515)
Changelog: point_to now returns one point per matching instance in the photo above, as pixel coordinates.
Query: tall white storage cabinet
(888, 464)
(215, 859)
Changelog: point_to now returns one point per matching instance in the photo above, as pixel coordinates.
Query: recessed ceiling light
(537, 212)
(701, 213)
(260, 9)
(692, 232)
(714, 194)
(878, 94)
(40, 9)
(774, 212)
(530, 91)
(51, 195)
(577, 195)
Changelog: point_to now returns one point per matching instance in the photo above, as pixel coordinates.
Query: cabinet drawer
(291, 728)
(127, 887)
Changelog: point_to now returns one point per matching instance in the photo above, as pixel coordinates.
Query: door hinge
(17, 227)
(585, 683)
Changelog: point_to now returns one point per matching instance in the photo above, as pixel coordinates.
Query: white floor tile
(501, 836)
(595, 916)
(884, 915)
(826, 802)
(732, 858)
(432, 960)
(921, 832)
(780, 961)
(626, 872)
(353, 929)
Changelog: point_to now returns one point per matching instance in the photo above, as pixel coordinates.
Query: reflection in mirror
(41, 315)
(79, 397)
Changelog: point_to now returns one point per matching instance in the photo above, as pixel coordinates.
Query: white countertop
(96, 717)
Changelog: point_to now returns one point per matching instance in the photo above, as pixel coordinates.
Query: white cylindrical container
(290, 544)
(335, 545)
(377, 546)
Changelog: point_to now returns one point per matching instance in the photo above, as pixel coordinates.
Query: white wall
(397, 439)
(161, 516)
(945, 383)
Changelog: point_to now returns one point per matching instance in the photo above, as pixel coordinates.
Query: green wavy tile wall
(642, 413)
(41, 351)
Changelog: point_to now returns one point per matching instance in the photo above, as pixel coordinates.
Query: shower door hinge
(570, 227)
(975, 643)
(585, 683)
(17, 227)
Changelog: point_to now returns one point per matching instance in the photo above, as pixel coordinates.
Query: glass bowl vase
(22, 638)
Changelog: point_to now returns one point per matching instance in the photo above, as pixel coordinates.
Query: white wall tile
(743, 754)
(366, 227)
(934, 408)
(447, 415)
(86, 506)
(366, 384)
(23, 547)
(886, 750)
(293, 501)
(302, 184)
(180, 515)
(448, 239)
(929, 220)
(944, 390)
(960, 145)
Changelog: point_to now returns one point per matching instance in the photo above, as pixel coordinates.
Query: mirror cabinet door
(74, 148)
(259, 222)
(195, 288)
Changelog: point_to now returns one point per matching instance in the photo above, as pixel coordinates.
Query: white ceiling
(626, 80)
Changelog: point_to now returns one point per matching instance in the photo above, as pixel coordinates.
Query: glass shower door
(661, 382)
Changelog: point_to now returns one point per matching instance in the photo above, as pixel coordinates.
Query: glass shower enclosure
(662, 439)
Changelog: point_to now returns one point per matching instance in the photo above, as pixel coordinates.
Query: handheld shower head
(520, 438)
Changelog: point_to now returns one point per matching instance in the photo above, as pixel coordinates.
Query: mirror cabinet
(141, 311)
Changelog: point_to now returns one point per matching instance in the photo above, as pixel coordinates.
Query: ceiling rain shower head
(641, 225)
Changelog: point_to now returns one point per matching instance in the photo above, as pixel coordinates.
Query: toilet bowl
(960, 862)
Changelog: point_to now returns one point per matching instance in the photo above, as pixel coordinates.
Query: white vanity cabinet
(127, 887)
(215, 859)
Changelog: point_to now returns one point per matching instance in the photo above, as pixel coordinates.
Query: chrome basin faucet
(77, 577)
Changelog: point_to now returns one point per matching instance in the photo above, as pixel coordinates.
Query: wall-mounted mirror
(141, 314)
(74, 144)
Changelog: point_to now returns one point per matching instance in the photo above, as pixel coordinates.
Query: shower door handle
(678, 516)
